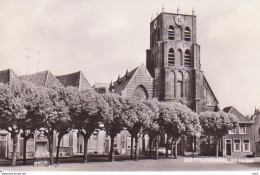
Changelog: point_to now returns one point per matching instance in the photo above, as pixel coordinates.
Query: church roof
(76, 79)
(241, 118)
(45, 78)
(120, 84)
(8, 76)
(205, 80)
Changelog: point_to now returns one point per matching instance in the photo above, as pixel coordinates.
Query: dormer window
(171, 33)
(187, 34)
(242, 129)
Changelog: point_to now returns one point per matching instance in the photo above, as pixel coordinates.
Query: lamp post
(193, 144)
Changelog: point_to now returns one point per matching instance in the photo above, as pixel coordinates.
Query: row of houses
(242, 141)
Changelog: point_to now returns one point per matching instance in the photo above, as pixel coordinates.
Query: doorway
(2, 145)
(228, 147)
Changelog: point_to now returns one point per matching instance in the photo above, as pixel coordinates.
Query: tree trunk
(150, 146)
(112, 153)
(25, 138)
(143, 144)
(157, 145)
(167, 145)
(14, 156)
(50, 138)
(85, 157)
(217, 148)
(58, 148)
(172, 146)
(136, 148)
(176, 150)
(132, 144)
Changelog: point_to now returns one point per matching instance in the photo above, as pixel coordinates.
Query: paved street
(180, 164)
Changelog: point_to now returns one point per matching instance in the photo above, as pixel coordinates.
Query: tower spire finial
(163, 7)
(193, 10)
(178, 9)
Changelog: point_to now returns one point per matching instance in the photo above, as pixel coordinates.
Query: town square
(91, 92)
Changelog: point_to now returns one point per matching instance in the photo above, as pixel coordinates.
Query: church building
(173, 68)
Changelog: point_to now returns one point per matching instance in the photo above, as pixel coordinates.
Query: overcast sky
(103, 38)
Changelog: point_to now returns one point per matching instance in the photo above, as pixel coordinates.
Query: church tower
(173, 60)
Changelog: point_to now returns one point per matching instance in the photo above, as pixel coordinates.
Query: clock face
(155, 24)
(179, 20)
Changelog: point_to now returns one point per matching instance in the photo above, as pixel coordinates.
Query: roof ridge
(46, 78)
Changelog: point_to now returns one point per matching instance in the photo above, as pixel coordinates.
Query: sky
(103, 38)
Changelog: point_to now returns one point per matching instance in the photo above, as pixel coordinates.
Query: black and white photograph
(129, 86)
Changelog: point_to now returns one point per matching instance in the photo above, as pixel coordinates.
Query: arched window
(187, 34)
(179, 88)
(179, 85)
(179, 58)
(187, 58)
(171, 84)
(171, 57)
(171, 33)
(187, 85)
(141, 92)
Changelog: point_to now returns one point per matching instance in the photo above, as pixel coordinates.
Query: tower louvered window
(187, 58)
(171, 57)
(171, 33)
(187, 34)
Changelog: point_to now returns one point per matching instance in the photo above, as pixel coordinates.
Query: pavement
(162, 164)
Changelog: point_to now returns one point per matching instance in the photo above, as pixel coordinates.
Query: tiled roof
(8, 76)
(76, 79)
(121, 83)
(240, 117)
(210, 88)
(45, 78)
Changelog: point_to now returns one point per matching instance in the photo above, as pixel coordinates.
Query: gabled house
(45, 79)
(7, 77)
(256, 120)
(239, 141)
(71, 143)
(76, 79)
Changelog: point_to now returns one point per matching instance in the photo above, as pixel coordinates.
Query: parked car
(162, 151)
(147, 151)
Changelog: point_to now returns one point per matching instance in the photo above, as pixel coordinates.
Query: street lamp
(193, 144)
